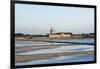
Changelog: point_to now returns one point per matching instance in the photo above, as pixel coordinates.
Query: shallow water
(58, 49)
(62, 59)
(36, 42)
(61, 49)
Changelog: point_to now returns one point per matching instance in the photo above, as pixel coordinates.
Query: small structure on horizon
(60, 35)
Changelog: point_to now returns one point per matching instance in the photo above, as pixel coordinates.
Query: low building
(60, 35)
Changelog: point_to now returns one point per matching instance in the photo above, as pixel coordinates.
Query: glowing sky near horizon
(37, 19)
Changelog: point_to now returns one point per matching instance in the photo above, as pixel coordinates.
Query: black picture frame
(12, 39)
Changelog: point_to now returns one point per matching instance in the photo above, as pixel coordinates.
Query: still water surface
(59, 49)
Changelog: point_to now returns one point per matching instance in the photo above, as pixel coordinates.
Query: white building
(60, 35)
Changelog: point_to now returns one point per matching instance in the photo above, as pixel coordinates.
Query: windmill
(52, 30)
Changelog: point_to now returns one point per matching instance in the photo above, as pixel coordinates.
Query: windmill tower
(52, 30)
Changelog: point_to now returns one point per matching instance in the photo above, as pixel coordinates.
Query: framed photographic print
(50, 34)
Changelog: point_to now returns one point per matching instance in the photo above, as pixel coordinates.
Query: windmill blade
(53, 30)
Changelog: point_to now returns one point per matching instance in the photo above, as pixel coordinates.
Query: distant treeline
(89, 35)
(24, 35)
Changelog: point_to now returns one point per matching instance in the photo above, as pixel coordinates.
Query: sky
(37, 19)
